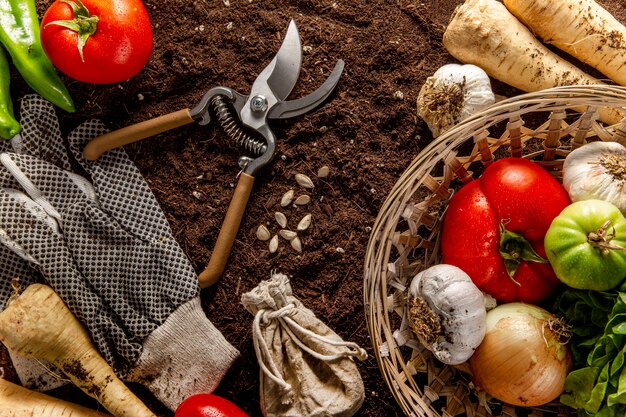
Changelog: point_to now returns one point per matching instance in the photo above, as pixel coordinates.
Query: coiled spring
(233, 130)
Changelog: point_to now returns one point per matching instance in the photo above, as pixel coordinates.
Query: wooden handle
(97, 146)
(228, 232)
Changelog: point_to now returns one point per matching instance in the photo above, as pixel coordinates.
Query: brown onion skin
(506, 364)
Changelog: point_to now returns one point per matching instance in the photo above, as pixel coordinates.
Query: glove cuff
(184, 356)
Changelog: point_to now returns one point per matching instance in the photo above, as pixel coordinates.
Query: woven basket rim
(588, 97)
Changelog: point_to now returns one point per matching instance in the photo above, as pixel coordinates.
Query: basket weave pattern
(543, 126)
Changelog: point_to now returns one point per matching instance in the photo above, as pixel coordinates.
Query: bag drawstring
(290, 326)
(262, 351)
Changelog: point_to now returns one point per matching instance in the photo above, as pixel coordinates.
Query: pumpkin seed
(262, 233)
(323, 172)
(288, 234)
(296, 243)
(274, 244)
(304, 223)
(281, 219)
(304, 181)
(302, 200)
(287, 198)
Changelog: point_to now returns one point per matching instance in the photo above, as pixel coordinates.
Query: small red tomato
(97, 41)
(494, 229)
(208, 405)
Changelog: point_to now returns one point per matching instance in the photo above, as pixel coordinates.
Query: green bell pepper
(19, 33)
(9, 127)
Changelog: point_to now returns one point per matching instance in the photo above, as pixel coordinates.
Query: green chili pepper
(19, 33)
(9, 127)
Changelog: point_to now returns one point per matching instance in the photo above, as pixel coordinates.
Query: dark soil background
(367, 134)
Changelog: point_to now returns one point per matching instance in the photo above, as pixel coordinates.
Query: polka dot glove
(15, 274)
(106, 248)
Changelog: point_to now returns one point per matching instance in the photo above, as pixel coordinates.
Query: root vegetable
(16, 401)
(38, 324)
(582, 28)
(486, 34)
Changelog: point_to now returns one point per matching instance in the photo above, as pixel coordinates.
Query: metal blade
(282, 73)
(292, 108)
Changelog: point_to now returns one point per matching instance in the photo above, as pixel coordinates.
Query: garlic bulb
(453, 93)
(597, 171)
(447, 313)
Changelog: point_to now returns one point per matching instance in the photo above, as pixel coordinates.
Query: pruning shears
(244, 118)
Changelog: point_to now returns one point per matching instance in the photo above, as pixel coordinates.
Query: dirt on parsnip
(367, 134)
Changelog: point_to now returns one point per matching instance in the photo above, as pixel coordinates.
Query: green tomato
(585, 245)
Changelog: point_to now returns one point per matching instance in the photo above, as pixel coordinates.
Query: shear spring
(232, 129)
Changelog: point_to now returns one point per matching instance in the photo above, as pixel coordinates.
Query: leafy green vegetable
(597, 385)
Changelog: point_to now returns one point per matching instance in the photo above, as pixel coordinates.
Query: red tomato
(524, 198)
(208, 405)
(118, 49)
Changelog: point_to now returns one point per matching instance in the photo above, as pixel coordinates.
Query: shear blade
(283, 71)
(292, 108)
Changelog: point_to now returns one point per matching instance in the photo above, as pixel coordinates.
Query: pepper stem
(600, 239)
(514, 249)
(82, 23)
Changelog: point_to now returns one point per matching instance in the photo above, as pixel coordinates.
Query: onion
(523, 359)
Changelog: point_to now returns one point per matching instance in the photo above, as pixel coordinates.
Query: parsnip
(582, 28)
(486, 34)
(16, 401)
(38, 324)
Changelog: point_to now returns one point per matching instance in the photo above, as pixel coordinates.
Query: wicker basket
(543, 126)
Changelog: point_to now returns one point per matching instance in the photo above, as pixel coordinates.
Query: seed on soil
(262, 233)
(296, 243)
(304, 223)
(287, 198)
(304, 181)
(281, 219)
(302, 200)
(323, 172)
(274, 244)
(288, 234)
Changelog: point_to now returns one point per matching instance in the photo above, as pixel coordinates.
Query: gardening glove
(106, 248)
(15, 274)
(15, 271)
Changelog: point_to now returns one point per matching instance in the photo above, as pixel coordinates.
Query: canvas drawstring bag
(306, 368)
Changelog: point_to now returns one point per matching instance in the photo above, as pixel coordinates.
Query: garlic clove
(447, 313)
(453, 93)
